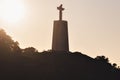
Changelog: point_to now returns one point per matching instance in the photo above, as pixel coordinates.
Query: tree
(29, 50)
(114, 65)
(102, 59)
(7, 45)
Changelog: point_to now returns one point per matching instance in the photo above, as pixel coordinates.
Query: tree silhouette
(29, 50)
(114, 65)
(102, 59)
(7, 45)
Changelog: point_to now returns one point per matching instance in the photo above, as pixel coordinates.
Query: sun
(11, 10)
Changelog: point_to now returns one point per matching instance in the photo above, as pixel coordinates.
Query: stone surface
(60, 36)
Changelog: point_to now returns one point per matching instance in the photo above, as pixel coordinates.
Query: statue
(60, 41)
(60, 8)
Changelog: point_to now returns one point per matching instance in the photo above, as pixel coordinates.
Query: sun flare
(11, 10)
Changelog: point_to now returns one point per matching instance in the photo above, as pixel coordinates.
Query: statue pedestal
(60, 36)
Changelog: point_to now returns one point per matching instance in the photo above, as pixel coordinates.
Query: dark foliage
(29, 64)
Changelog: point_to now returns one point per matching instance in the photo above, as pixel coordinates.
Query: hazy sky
(94, 25)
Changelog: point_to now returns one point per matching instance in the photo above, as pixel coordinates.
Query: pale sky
(94, 25)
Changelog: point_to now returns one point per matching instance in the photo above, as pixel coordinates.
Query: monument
(60, 33)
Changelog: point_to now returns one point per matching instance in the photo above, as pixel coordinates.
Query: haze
(94, 26)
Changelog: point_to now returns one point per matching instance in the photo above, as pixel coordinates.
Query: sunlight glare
(11, 10)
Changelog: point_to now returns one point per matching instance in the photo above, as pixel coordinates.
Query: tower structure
(60, 33)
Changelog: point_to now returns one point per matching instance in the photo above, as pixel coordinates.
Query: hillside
(29, 64)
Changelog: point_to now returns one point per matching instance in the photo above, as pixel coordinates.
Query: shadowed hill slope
(57, 66)
(29, 64)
